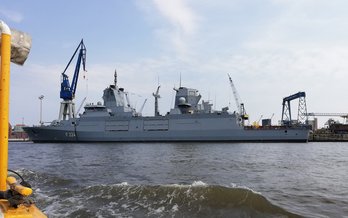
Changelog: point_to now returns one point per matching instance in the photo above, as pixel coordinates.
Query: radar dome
(182, 100)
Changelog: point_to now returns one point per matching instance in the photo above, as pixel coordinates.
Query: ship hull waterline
(182, 132)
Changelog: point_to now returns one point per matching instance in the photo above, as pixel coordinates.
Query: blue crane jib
(67, 92)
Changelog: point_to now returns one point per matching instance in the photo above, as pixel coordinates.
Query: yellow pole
(4, 101)
(5, 209)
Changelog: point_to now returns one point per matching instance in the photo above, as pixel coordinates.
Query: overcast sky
(271, 49)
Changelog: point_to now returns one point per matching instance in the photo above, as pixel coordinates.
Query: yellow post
(4, 101)
(6, 210)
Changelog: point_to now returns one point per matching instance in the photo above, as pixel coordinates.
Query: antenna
(157, 96)
(215, 102)
(115, 78)
(180, 81)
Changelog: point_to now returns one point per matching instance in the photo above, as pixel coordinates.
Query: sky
(271, 49)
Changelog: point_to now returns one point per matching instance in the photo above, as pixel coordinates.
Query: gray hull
(204, 127)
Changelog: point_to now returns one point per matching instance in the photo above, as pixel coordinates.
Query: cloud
(303, 24)
(178, 14)
(27, 83)
(183, 24)
(11, 15)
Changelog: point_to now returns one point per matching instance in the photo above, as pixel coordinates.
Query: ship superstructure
(190, 119)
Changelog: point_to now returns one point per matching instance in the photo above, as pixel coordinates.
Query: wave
(65, 198)
(162, 201)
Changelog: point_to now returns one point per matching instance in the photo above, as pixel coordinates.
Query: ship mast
(157, 96)
(115, 78)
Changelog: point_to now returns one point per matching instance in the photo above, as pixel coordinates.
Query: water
(186, 179)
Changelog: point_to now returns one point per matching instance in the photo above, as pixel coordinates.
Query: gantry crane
(240, 106)
(67, 91)
(302, 117)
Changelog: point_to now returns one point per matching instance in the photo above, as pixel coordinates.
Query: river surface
(185, 179)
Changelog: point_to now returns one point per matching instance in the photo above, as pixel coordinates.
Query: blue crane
(67, 92)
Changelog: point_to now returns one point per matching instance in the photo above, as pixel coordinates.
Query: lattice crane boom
(240, 106)
(235, 93)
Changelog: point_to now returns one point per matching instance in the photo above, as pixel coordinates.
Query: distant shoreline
(18, 140)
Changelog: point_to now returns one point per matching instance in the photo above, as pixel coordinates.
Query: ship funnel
(20, 45)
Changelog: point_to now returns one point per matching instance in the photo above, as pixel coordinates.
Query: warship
(191, 119)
